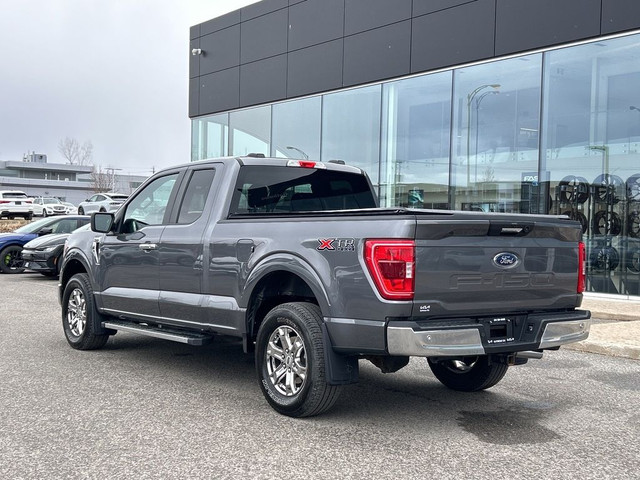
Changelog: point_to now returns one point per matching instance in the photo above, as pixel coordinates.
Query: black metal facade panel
(263, 81)
(620, 15)
(194, 97)
(315, 69)
(525, 25)
(219, 91)
(423, 7)
(264, 36)
(456, 35)
(261, 8)
(315, 21)
(194, 60)
(325, 45)
(377, 54)
(361, 15)
(221, 50)
(221, 22)
(194, 32)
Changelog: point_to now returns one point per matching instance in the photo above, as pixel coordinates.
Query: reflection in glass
(296, 124)
(351, 128)
(495, 136)
(250, 131)
(415, 142)
(591, 145)
(209, 137)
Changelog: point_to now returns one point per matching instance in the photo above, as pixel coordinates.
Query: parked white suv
(14, 203)
(102, 202)
(45, 206)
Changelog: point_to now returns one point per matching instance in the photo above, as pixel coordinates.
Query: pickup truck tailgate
(470, 265)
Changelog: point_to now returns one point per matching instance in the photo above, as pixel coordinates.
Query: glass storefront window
(474, 138)
(351, 128)
(250, 131)
(415, 142)
(591, 146)
(209, 137)
(296, 129)
(495, 136)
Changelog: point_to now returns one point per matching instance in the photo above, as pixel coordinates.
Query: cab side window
(195, 196)
(149, 205)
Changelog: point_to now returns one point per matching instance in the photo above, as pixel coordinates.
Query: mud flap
(339, 369)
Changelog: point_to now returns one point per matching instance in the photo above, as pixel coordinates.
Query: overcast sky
(113, 72)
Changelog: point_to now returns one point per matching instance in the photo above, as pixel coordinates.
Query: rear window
(18, 195)
(271, 190)
(119, 198)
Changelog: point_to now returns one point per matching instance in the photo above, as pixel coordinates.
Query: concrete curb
(617, 339)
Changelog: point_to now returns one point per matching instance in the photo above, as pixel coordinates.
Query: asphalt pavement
(616, 327)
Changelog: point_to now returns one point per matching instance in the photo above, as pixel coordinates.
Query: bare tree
(101, 181)
(74, 152)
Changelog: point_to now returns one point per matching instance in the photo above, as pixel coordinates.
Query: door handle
(147, 247)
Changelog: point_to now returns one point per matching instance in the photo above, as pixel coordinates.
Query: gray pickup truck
(295, 258)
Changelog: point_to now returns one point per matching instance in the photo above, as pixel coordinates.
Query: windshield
(119, 198)
(50, 200)
(14, 195)
(33, 227)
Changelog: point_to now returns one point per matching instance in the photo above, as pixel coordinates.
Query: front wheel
(468, 374)
(80, 318)
(290, 361)
(80, 211)
(11, 259)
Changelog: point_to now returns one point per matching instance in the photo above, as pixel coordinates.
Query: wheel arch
(72, 265)
(280, 280)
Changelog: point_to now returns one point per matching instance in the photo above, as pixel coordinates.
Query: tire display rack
(608, 210)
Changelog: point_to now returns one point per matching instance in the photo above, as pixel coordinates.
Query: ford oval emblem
(506, 260)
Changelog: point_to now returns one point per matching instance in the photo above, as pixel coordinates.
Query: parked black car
(43, 254)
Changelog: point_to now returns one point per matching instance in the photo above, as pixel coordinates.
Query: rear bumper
(536, 332)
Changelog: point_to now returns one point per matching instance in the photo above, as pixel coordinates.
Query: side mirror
(45, 231)
(102, 222)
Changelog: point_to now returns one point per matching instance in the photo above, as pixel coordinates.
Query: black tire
(469, 374)
(633, 188)
(574, 189)
(633, 261)
(28, 216)
(608, 188)
(11, 259)
(604, 259)
(80, 211)
(634, 224)
(79, 315)
(301, 389)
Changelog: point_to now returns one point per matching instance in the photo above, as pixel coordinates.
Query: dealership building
(525, 106)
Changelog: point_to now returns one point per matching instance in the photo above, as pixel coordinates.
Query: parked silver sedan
(102, 202)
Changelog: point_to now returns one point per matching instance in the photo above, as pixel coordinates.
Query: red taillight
(391, 263)
(582, 268)
(5, 201)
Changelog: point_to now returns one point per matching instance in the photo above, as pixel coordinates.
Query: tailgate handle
(510, 229)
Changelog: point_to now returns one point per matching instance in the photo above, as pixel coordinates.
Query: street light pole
(470, 98)
(306, 157)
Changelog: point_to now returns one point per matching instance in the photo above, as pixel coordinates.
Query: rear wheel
(290, 360)
(80, 317)
(468, 374)
(11, 259)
